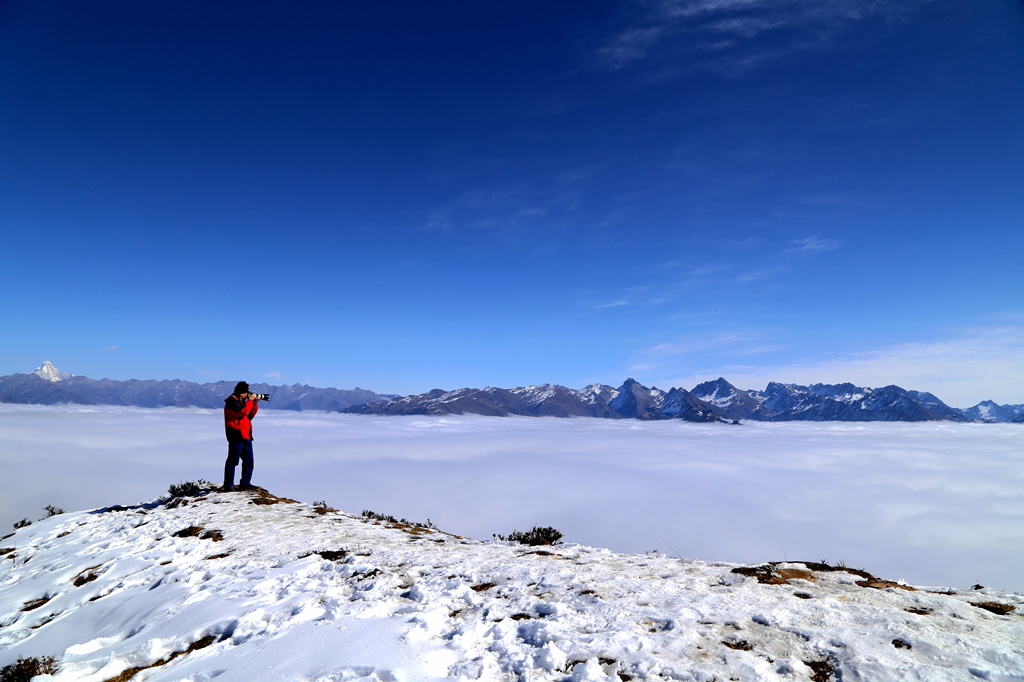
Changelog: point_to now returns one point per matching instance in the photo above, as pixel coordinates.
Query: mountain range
(708, 402)
(49, 386)
(711, 401)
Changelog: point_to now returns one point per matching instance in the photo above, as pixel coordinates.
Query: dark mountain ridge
(34, 389)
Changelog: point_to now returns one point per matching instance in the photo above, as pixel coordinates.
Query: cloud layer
(933, 503)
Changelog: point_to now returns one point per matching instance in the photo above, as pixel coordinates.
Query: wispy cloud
(814, 245)
(511, 211)
(984, 363)
(728, 35)
(614, 304)
(664, 355)
(272, 375)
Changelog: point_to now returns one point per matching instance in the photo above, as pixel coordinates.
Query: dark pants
(239, 450)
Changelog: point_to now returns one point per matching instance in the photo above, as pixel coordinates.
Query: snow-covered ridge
(249, 586)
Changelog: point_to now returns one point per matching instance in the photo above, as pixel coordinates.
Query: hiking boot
(247, 486)
(227, 488)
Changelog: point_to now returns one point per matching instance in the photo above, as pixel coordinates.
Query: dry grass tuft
(26, 668)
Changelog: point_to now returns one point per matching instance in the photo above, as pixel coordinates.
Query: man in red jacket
(239, 409)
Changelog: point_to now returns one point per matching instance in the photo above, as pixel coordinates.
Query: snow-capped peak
(50, 373)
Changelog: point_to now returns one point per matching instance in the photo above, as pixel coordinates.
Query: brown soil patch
(86, 576)
(367, 575)
(828, 568)
(262, 496)
(217, 556)
(329, 554)
(482, 587)
(901, 644)
(189, 532)
(45, 621)
(131, 672)
(739, 645)
(33, 605)
(768, 574)
(919, 611)
(996, 607)
(879, 584)
(822, 670)
(200, 532)
(6, 550)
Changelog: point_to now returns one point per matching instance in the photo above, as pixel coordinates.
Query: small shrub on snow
(321, 507)
(27, 668)
(189, 488)
(367, 514)
(52, 511)
(536, 536)
(22, 524)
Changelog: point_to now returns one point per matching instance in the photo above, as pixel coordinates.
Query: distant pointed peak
(50, 373)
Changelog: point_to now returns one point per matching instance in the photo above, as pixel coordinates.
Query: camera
(261, 396)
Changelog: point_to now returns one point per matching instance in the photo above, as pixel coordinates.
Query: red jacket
(238, 416)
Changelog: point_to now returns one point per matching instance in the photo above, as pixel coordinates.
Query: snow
(533, 395)
(50, 373)
(404, 603)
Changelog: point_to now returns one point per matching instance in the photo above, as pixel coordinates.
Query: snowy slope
(246, 586)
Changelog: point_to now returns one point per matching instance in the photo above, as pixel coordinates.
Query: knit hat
(241, 387)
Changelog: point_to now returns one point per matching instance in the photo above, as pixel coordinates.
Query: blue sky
(408, 195)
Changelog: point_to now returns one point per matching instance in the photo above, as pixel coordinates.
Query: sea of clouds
(932, 503)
